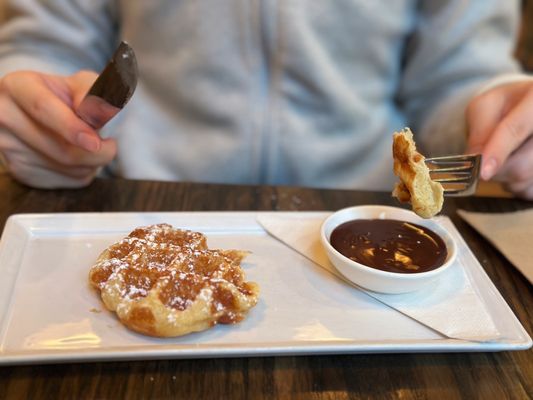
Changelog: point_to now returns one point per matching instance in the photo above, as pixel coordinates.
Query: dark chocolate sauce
(390, 245)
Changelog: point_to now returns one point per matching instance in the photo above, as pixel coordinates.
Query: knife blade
(113, 88)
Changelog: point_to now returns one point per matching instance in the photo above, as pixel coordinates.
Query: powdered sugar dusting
(178, 266)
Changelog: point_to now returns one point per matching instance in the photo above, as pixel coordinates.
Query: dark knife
(112, 89)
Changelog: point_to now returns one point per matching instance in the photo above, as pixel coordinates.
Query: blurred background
(523, 53)
(524, 50)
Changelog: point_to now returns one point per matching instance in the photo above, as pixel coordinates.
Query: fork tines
(458, 174)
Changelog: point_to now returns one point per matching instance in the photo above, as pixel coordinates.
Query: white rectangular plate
(49, 313)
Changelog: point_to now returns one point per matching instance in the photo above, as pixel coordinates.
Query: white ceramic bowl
(375, 279)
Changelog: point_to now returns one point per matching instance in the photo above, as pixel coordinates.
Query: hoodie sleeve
(57, 36)
(457, 49)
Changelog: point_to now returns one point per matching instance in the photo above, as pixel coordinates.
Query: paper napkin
(511, 233)
(450, 306)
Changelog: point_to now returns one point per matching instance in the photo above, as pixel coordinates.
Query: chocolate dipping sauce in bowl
(387, 249)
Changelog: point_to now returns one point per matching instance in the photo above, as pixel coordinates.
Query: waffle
(166, 282)
(415, 186)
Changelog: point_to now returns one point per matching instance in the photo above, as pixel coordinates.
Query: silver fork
(459, 174)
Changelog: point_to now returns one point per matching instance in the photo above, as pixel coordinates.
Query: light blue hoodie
(303, 92)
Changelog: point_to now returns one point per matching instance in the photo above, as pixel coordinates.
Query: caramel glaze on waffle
(166, 282)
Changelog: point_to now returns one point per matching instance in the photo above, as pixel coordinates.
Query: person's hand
(43, 142)
(500, 124)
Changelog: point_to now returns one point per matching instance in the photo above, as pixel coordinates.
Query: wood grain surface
(503, 375)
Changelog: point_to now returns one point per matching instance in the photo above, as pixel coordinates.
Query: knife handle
(96, 111)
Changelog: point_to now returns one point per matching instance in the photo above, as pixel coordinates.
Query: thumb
(79, 84)
(70, 89)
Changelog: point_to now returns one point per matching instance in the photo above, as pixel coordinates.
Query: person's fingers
(49, 143)
(519, 165)
(42, 141)
(517, 172)
(43, 178)
(527, 194)
(522, 189)
(36, 172)
(510, 133)
(482, 116)
(34, 95)
(20, 160)
(79, 84)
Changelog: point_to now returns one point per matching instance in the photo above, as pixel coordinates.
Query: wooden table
(504, 375)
